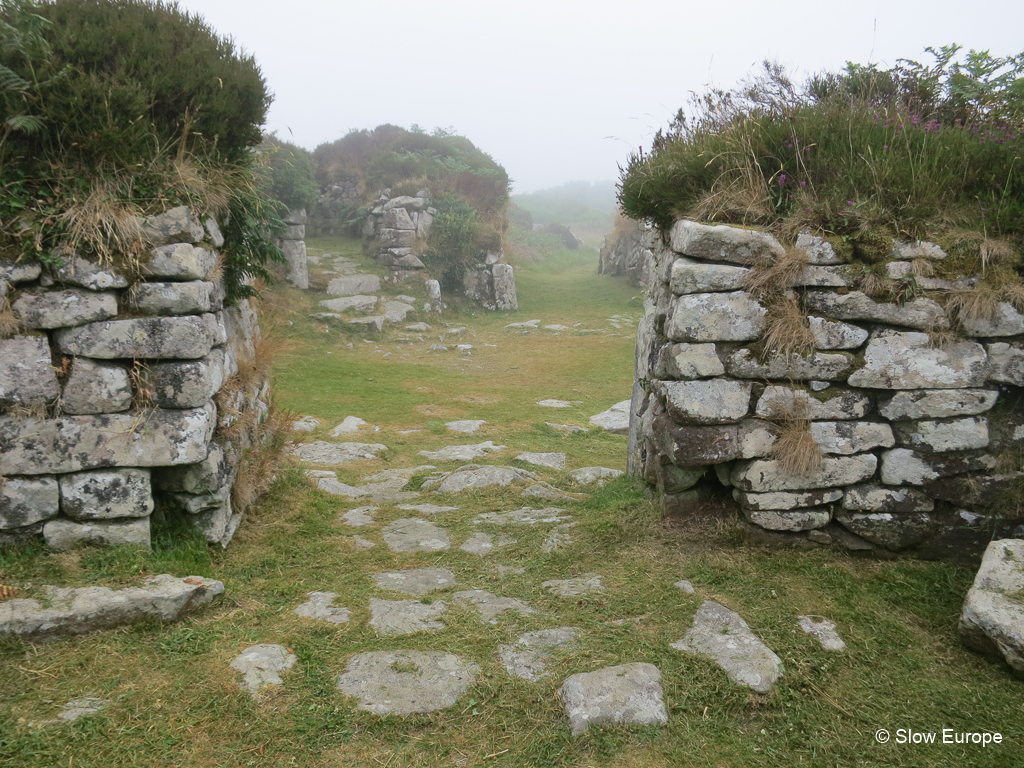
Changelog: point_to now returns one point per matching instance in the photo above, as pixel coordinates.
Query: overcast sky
(562, 90)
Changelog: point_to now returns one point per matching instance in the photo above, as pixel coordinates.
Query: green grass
(175, 700)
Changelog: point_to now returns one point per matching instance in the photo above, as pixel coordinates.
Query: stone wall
(919, 428)
(626, 250)
(293, 244)
(121, 392)
(333, 204)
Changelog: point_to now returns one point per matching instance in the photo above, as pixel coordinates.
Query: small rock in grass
(359, 516)
(824, 630)
(319, 607)
(462, 452)
(405, 617)
(306, 424)
(559, 538)
(615, 419)
(530, 655)
(684, 586)
(572, 430)
(465, 425)
(77, 708)
(552, 403)
(544, 492)
(417, 582)
(627, 694)
(360, 543)
(427, 509)
(490, 605)
(575, 587)
(524, 516)
(406, 682)
(599, 475)
(262, 665)
(348, 425)
(482, 544)
(552, 460)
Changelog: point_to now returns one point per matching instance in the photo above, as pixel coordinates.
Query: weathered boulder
(26, 501)
(946, 435)
(696, 277)
(72, 443)
(789, 519)
(937, 404)
(106, 494)
(614, 420)
(191, 298)
(96, 387)
(848, 437)
(832, 334)
(778, 400)
(818, 366)
(187, 384)
(715, 317)
(723, 636)
(992, 619)
(764, 475)
(62, 309)
(721, 243)
(892, 530)
(902, 466)
(298, 268)
(86, 609)
(1006, 321)
(27, 376)
(627, 694)
(924, 314)
(505, 298)
(817, 249)
(179, 261)
(177, 225)
(718, 401)
(688, 361)
(904, 360)
(1006, 363)
(353, 284)
(67, 534)
(878, 498)
(188, 337)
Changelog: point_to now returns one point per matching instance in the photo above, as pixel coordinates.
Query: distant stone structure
(626, 250)
(124, 390)
(293, 244)
(919, 430)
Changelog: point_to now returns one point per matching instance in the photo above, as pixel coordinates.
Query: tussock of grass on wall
(787, 330)
(795, 448)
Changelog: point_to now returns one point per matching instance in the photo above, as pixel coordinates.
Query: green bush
(453, 245)
(910, 151)
(292, 175)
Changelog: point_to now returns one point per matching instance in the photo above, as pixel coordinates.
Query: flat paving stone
(552, 460)
(360, 543)
(414, 534)
(569, 428)
(359, 516)
(306, 424)
(581, 585)
(467, 426)
(418, 581)
(479, 477)
(724, 637)
(406, 682)
(482, 544)
(824, 630)
(540, 491)
(627, 694)
(552, 403)
(405, 617)
(490, 605)
(427, 509)
(529, 656)
(348, 425)
(588, 475)
(319, 607)
(462, 452)
(615, 419)
(262, 665)
(329, 454)
(77, 708)
(504, 571)
(524, 516)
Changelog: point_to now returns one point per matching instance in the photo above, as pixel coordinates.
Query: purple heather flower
(803, 183)
(849, 202)
(782, 179)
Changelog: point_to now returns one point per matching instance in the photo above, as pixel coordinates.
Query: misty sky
(562, 90)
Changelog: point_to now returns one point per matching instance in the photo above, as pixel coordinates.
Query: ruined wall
(124, 390)
(293, 245)
(626, 250)
(919, 428)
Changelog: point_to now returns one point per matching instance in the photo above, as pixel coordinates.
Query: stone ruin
(626, 250)
(293, 246)
(120, 392)
(919, 433)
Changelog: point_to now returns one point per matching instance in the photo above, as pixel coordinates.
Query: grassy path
(175, 700)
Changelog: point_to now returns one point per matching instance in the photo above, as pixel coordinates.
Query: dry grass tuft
(1013, 293)
(103, 226)
(142, 390)
(922, 268)
(795, 448)
(771, 278)
(877, 286)
(972, 304)
(942, 339)
(9, 323)
(787, 330)
(22, 411)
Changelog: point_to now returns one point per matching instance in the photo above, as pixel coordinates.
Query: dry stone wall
(293, 245)
(119, 392)
(626, 251)
(919, 431)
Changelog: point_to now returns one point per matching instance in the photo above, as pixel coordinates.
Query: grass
(175, 701)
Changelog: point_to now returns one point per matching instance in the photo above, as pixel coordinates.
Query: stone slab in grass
(723, 636)
(405, 617)
(553, 403)
(483, 544)
(532, 652)
(490, 605)
(75, 611)
(358, 302)
(77, 708)
(306, 424)
(462, 452)
(589, 475)
(559, 538)
(360, 543)
(545, 491)
(262, 665)
(329, 454)
(467, 426)
(992, 620)
(348, 424)
(406, 682)
(575, 587)
(353, 285)
(319, 607)
(524, 516)
(427, 509)
(477, 477)
(614, 420)
(627, 694)
(414, 534)
(359, 516)
(551, 460)
(568, 428)
(418, 581)
(824, 630)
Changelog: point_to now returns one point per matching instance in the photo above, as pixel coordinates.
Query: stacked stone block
(293, 244)
(905, 425)
(107, 392)
(626, 251)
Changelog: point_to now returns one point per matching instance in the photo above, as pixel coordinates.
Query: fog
(563, 90)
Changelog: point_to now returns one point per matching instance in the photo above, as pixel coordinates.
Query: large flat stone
(179, 261)
(992, 619)
(462, 452)
(627, 694)
(72, 443)
(878, 498)
(890, 530)
(86, 609)
(688, 446)
(490, 605)
(767, 475)
(97, 387)
(183, 338)
(406, 682)
(524, 516)
(86, 274)
(417, 582)
(902, 466)
(590, 475)
(481, 477)
(715, 401)
(817, 366)
(533, 651)
(614, 420)
(406, 617)
(319, 606)
(106, 494)
(27, 376)
(695, 277)
(931, 436)
(730, 244)
(550, 460)
(329, 454)
(688, 361)
(923, 314)
(413, 534)
(358, 302)
(261, 665)
(789, 519)
(705, 317)
(849, 437)
(724, 637)
(898, 360)
(937, 404)
(26, 501)
(831, 334)
(62, 309)
(353, 285)
(190, 298)
(1006, 321)
(782, 500)
(778, 400)
(61, 534)
(577, 586)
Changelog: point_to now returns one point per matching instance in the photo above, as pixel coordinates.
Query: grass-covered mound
(866, 155)
(116, 108)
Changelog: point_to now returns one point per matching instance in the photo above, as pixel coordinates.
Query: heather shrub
(291, 175)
